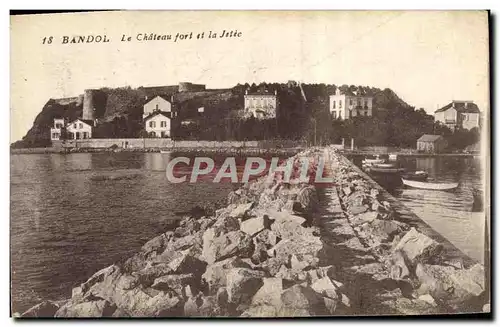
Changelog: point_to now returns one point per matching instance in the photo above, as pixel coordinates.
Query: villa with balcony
(345, 106)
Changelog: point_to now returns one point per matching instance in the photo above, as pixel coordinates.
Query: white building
(156, 104)
(459, 114)
(80, 129)
(57, 130)
(261, 104)
(344, 106)
(158, 124)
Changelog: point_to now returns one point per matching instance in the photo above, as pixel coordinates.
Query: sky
(427, 57)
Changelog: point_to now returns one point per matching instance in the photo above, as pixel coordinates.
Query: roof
(261, 92)
(161, 96)
(429, 138)
(163, 113)
(86, 121)
(461, 106)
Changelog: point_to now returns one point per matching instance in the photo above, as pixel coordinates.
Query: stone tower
(88, 106)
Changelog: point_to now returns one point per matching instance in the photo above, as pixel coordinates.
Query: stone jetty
(288, 250)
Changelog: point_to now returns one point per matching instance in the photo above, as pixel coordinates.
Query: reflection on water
(74, 214)
(448, 212)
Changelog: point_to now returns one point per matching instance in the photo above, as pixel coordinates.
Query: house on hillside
(431, 143)
(57, 130)
(80, 129)
(261, 104)
(158, 124)
(347, 105)
(158, 103)
(459, 114)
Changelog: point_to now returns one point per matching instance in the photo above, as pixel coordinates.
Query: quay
(289, 250)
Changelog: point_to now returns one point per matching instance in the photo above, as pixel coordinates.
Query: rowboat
(387, 170)
(418, 175)
(430, 186)
(384, 165)
(165, 151)
(371, 161)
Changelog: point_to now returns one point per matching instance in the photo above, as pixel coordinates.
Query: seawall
(285, 250)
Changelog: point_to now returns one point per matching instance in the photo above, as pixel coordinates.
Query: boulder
(356, 210)
(398, 267)
(184, 262)
(469, 282)
(269, 293)
(201, 306)
(242, 284)
(260, 311)
(298, 246)
(300, 300)
(267, 237)
(435, 280)
(362, 218)
(308, 198)
(226, 245)
(326, 287)
(157, 244)
(260, 252)
(175, 282)
(44, 309)
(254, 225)
(321, 272)
(241, 210)
(216, 273)
(418, 247)
(278, 216)
(91, 309)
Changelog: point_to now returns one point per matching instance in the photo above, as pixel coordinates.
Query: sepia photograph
(250, 164)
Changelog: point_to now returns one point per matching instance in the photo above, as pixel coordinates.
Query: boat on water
(418, 175)
(384, 165)
(382, 170)
(165, 151)
(429, 185)
(371, 161)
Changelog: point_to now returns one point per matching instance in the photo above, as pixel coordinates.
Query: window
(163, 123)
(85, 135)
(350, 113)
(162, 133)
(334, 114)
(350, 102)
(152, 124)
(80, 126)
(157, 106)
(340, 114)
(340, 103)
(333, 104)
(74, 125)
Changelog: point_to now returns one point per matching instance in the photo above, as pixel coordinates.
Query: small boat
(165, 151)
(430, 186)
(387, 170)
(384, 165)
(371, 161)
(418, 175)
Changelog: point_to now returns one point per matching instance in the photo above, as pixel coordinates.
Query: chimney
(172, 98)
(453, 104)
(145, 97)
(246, 91)
(275, 92)
(466, 104)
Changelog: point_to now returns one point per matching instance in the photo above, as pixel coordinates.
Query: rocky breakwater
(261, 256)
(274, 251)
(396, 264)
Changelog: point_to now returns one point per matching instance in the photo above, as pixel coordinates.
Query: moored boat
(387, 170)
(418, 175)
(384, 165)
(165, 151)
(430, 186)
(371, 161)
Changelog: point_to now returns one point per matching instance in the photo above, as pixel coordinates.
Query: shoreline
(276, 250)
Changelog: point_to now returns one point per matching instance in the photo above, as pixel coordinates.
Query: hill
(119, 112)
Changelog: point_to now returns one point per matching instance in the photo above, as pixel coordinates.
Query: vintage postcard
(249, 164)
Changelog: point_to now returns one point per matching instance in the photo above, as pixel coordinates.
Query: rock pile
(411, 268)
(264, 256)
